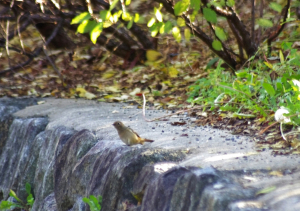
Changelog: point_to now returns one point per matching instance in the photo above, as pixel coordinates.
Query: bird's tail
(148, 140)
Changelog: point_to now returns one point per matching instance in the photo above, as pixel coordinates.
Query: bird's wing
(134, 132)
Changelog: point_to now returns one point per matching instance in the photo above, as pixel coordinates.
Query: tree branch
(279, 28)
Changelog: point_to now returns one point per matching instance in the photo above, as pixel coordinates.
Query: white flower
(279, 115)
(282, 119)
(296, 83)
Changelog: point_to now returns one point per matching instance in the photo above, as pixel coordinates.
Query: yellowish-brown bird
(128, 136)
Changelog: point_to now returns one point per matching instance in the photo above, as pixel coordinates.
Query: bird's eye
(118, 123)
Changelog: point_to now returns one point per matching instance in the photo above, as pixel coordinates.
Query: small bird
(128, 136)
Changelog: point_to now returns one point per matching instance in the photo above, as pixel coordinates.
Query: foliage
(93, 202)
(18, 203)
(260, 89)
(185, 15)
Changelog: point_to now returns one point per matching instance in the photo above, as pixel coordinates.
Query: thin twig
(36, 52)
(267, 128)
(19, 32)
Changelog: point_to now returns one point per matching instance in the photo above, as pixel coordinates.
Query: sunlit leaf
(14, 195)
(151, 22)
(162, 28)
(181, 6)
(276, 173)
(158, 14)
(281, 57)
(108, 74)
(176, 33)
(136, 17)
(126, 16)
(155, 28)
(95, 33)
(80, 18)
(210, 15)
(173, 72)
(86, 26)
(180, 22)
(269, 65)
(187, 34)
(105, 14)
(153, 55)
(89, 95)
(217, 45)
(266, 190)
(113, 4)
(127, 2)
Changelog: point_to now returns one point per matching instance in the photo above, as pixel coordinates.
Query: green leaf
(86, 200)
(127, 2)
(243, 116)
(217, 45)
(286, 45)
(100, 199)
(173, 72)
(242, 74)
(176, 33)
(264, 23)
(30, 200)
(220, 34)
(168, 26)
(4, 205)
(210, 15)
(95, 201)
(279, 86)
(151, 22)
(14, 195)
(269, 88)
(113, 4)
(266, 190)
(136, 17)
(129, 25)
(230, 3)
(105, 15)
(153, 55)
(155, 28)
(269, 65)
(28, 188)
(80, 18)
(211, 62)
(95, 33)
(275, 6)
(187, 34)
(180, 22)
(195, 4)
(281, 57)
(181, 7)
(126, 16)
(86, 26)
(158, 14)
